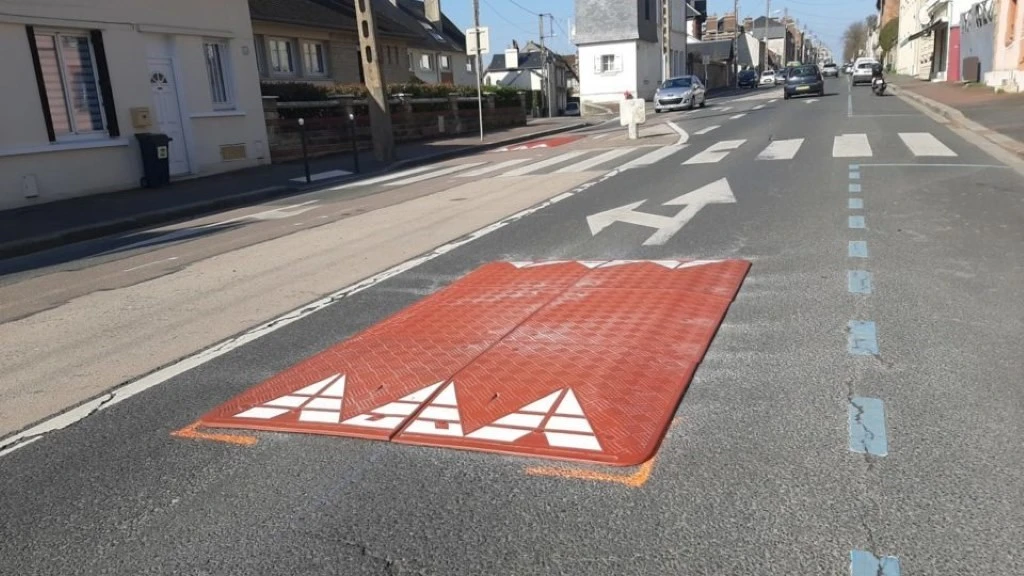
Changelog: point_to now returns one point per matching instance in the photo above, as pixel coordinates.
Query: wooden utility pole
(380, 111)
(666, 38)
(479, 91)
(735, 43)
(546, 77)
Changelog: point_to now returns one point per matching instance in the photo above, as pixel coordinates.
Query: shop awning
(925, 32)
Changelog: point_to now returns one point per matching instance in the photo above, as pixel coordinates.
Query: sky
(517, 19)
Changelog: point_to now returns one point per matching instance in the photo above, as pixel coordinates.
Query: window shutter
(597, 63)
(617, 63)
(40, 83)
(106, 91)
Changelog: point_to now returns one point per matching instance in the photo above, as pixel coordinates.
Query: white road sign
(485, 40)
(718, 192)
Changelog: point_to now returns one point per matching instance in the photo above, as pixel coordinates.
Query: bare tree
(871, 21)
(854, 39)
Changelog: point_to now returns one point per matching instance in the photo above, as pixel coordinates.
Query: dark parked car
(748, 79)
(803, 80)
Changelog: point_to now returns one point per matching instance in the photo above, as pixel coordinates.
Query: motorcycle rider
(877, 76)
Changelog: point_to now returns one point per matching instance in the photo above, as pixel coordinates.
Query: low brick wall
(328, 128)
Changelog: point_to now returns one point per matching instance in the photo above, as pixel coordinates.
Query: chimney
(712, 26)
(512, 56)
(432, 10)
(729, 25)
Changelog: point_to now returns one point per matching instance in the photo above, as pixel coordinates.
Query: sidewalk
(997, 117)
(34, 228)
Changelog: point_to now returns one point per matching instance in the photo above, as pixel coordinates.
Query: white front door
(167, 112)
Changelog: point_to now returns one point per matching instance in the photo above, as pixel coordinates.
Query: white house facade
(84, 76)
(620, 50)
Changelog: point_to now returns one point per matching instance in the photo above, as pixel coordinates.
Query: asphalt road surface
(858, 411)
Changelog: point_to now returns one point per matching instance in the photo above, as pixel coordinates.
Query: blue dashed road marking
(867, 426)
(854, 188)
(856, 222)
(858, 249)
(866, 564)
(862, 338)
(856, 203)
(858, 281)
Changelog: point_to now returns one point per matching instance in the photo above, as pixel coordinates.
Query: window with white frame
(314, 58)
(69, 76)
(608, 63)
(281, 60)
(426, 62)
(446, 62)
(218, 72)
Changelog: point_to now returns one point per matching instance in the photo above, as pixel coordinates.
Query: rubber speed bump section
(582, 361)
(371, 384)
(596, 374)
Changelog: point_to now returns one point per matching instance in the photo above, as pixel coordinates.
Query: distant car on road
(747, 79)
(804, 80)
(780, 76)
(572, 109)
(768, 78)
(679, 93)
(830, 69)
(862, 70)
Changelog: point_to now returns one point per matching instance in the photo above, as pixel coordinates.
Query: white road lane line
(716, 152)
(851, 146)
(924, 144)
(565, 157)
(781, 149)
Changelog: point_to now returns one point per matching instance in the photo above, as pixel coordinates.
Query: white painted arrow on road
(717, 192)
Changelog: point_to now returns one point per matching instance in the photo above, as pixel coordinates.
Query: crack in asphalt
(859, 419)
(390, 568)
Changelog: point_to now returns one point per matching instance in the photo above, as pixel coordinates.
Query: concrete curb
(958, 118)
(168, 215)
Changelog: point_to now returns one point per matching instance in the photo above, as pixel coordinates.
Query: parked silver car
(678, 93)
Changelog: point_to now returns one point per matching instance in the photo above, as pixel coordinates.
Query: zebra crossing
(606, 159)
(573, 161)
(918, 144)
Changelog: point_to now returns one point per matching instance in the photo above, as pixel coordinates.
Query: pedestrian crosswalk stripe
(564, 157)
(715, 152)
(385, 178)
(652, 157)
(435, 174)
(595, 161)
(924, 144)
(781, 150)
(493, 168)
(851, 146)
(703, 131)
